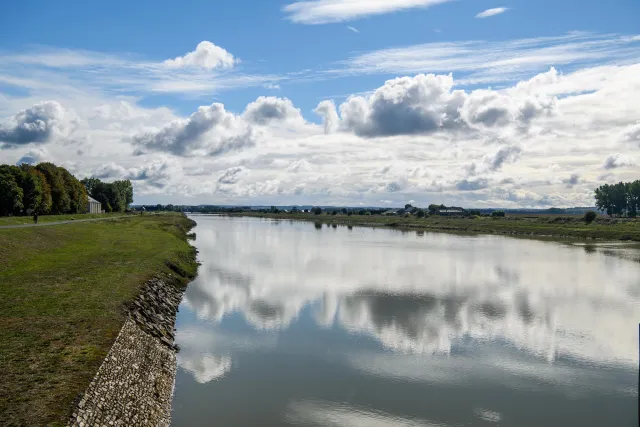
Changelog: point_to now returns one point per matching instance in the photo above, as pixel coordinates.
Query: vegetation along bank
(68, 292)
(560, 226)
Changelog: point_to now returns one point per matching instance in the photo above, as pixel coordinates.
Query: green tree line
(50, 189)
(621, 199)
(43, 189)
(113, 196)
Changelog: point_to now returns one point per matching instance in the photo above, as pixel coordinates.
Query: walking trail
(42, 224)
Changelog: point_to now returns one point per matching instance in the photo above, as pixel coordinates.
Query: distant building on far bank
(451, 211)
(94, 206)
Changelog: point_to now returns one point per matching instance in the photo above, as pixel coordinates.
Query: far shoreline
(540, 226)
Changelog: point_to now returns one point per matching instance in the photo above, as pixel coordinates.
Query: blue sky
(88, 55)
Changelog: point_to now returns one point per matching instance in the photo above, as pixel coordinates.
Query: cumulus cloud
(472, 185)
(632, 133)
(33, 156)
(232, 175)
(110, 170)
(209, 131)
(326, 11)
(327, 110)
(157, 174)
(301, 165)
(207, 55)
(504, 154)
(489, 108)
(618, 160)
(491, 12)
(404, 106)
(426, 103)
(38, 124)
(268, 109)
(572, 180)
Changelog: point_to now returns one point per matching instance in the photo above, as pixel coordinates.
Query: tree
(633, 198)
(590, 216)
(408, 206)
(78, 200)
(10, 194)
(90, 184)
(420, 213)
(621, 199)
(433, 209)
(316, 211)
(60, 200)
(497, 214)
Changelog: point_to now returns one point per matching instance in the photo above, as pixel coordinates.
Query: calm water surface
(291, 324)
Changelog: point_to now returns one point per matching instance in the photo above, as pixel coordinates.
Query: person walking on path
(35, 217)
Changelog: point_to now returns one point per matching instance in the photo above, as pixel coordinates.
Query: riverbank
(564, 226)
(67, 292)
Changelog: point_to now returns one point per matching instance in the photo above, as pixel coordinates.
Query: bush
(590, 216)
(497, 214)
(420, 213)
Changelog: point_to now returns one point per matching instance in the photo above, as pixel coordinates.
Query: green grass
(63, 291)
(562, 226)
(17, 220)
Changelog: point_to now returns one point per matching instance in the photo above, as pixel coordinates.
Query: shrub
(497, 214)
(590, 216)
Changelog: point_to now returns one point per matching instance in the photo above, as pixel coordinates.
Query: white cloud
(329, 414)
(327, 110)
(265, 110)
(511, 146)
(38, 124)
(207, 55)
(326, 11)
(209, 131)
(491, 12)
(482, 61)
(632, 133)
(34, 156)
(353, 29)
(572, 180)
(427, 103)
(232, 175)
(205, 368)
(618, 160)
(207, 70)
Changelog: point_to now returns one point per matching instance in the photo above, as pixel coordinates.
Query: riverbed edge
(135, 383)
(461, 226)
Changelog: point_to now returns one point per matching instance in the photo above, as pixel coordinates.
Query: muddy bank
(134, 385)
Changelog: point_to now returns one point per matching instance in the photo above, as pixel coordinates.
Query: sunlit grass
(63, 290)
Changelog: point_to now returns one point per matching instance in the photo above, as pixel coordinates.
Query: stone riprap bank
(134, 385)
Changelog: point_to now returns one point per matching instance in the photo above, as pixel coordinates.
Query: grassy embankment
(63, 291)
(18, 220)
(563, 226)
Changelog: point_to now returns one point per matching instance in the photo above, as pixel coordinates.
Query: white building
(94, 206)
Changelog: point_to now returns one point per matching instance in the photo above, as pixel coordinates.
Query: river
(299, 324)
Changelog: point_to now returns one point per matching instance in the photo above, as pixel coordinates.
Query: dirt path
(42, 224)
